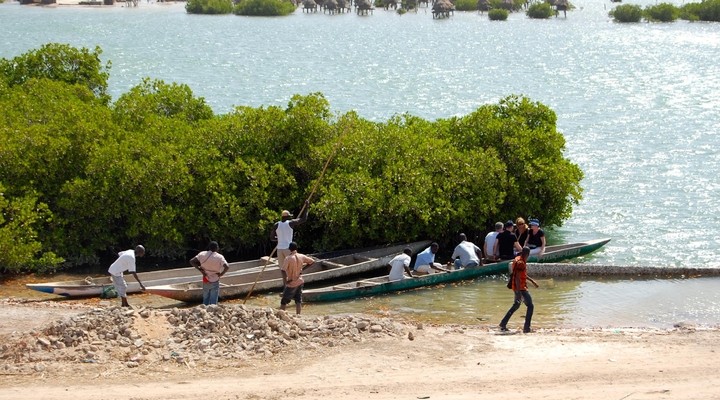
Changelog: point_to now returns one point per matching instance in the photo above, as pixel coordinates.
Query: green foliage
(209, 6)
(466, 5)
(264, 8)
(81, 177)
(663, 12)
(626, 13)
(59, 62)
(706, 10)
(409, 4)
(20, 249)
(540, 11)
(498, 14)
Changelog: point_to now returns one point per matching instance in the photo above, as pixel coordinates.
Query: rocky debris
(187, 336)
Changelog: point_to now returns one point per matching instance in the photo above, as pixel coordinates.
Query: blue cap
(534, 222)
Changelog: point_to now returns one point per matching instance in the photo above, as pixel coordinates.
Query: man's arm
(533, 282)
(196, 263)
(302, 217)
(408, 270)
(225, 269)
(134, 274)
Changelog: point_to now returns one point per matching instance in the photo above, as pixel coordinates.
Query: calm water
(637, 103)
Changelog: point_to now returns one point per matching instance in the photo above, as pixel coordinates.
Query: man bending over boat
(293, 281)
(425, 261)
(399, 265)
(125, 262)
(466, 254)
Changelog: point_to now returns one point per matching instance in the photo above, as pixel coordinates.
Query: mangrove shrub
(663, 12)
(626, 13)
(264, 8)
(81, 178)
(540, 11)
(498, 14)
(209, 6)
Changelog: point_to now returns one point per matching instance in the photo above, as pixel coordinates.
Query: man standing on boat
(399, 265)
(519, 287)
(125, 262)
(466, 254)
(283, 230)
(293, 281)
(425, 261)
(213, 266)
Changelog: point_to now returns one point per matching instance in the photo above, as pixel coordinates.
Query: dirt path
(441, 362)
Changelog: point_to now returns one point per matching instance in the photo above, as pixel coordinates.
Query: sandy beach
(415, 362)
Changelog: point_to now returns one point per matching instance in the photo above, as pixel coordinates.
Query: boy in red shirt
(519, 286)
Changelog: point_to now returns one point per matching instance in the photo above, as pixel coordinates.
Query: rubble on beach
(188, 336)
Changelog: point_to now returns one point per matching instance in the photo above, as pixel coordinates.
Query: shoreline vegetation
(83, 176)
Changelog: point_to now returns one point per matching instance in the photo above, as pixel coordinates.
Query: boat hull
(271, 279)
(381, 285)
(94, 286)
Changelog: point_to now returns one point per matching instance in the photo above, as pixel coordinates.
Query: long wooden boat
(95, 286)
(381, 285)
(271, 279)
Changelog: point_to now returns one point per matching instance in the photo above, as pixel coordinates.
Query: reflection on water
(559, 302)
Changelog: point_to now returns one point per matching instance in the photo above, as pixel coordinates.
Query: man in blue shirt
(425, 261)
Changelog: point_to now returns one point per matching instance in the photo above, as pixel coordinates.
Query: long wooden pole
(305, 204)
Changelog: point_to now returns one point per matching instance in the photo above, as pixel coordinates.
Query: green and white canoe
(381, 285)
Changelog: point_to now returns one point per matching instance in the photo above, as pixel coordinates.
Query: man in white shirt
(282, 231)
(399, 265)
(489, 246)
(125, 262)
(466, 254)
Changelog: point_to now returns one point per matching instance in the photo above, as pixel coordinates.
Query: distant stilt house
(309, 6)
(343, 5)
(330, 6)
(443, 9)
(483, 5)
(364, 7)
(388, 4)
(560, 5)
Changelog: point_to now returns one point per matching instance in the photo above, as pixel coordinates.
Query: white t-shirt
(284, 234)
(125, 262)
(467, 253)
(490, 240)
(397, 267)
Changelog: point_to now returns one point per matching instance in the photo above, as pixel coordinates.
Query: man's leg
(530, 309)
(511, 311)
(206, 293)
(214, 292)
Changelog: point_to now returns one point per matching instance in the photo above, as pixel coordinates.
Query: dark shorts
(292, 293)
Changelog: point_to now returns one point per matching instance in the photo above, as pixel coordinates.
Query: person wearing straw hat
(125, 262)
(282, 231)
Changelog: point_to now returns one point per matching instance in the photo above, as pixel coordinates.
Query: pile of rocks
(186, 335)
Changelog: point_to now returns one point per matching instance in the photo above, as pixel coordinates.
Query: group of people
(212, 265)
(515, 241)
(510, 241)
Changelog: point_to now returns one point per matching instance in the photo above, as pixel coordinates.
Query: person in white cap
(536, 238)
(283, 230)
(125, 262)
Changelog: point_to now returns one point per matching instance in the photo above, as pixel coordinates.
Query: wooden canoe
(94, 286)
(271, 279)
(381, 285)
